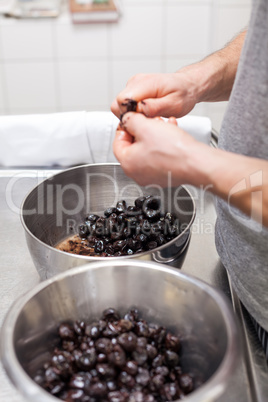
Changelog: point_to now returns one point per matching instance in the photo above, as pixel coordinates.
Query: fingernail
(120, 134)
(124, 120)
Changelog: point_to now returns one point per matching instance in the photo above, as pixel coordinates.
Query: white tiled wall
(187, 29)
(53, 65)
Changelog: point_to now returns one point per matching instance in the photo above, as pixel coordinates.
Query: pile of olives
(115, 359)
(129, 229)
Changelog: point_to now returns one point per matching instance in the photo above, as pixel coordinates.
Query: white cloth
(73, 138)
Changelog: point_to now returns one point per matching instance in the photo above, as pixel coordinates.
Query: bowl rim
(209, 391)
(99, 258)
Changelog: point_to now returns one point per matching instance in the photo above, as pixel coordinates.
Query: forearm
(241, 181)
(165, 152)
(213, 77)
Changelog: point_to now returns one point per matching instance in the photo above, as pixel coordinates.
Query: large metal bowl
(164, 295)
(53, 210)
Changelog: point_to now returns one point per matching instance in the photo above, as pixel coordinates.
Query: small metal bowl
(53, 210)
(183, 304)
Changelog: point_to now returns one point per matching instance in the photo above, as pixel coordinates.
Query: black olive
(115, 359)
(143, 222)
(160, 239)
(172, 342)
(109, 249)
(133, 211)
(92, 229)
(170, 217)
(131, 367)
(92, 218)
(186, 383)
(119, 245)
(128, 341)
(145, 227)
(130, 105)
(151, 245)
(131, 222)
(142, 238)
(83, 230)
(171, 358)
(91, 240)
(110, 314)
(116, 236)
(103, 345)
(126, 232)
(93, 330)
(121, 206)
(99, 246)
(66, 332)
(109, 211)
(121, 217)
(139, 201)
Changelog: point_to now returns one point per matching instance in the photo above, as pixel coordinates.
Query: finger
(157, 107)
(126, 104)
(122, 142)
(148, 107)
(115, 108)
(172, 120)
(140, 88)
(139, 125)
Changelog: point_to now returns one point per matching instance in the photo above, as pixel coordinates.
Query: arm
(153, 152)
(176, 94)
(216, 73)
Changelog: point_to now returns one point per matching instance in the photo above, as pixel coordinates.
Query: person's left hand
(152, 151)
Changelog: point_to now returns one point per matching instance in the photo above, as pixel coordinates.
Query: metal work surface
(18, 275)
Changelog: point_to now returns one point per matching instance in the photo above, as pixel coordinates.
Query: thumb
(138, 125)
(153, 107)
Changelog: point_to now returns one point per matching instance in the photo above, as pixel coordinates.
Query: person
(236, 172)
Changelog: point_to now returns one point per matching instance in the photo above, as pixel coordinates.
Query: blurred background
(53, 65)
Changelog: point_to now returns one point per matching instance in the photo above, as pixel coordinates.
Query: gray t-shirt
(242, 243)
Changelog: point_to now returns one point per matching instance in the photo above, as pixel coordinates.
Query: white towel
(71, 138)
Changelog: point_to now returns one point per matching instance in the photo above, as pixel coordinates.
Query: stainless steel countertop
(18, 275)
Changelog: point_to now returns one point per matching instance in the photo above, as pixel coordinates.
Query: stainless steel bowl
(53, 210)
(164, 295)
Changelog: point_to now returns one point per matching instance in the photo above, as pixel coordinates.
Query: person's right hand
(152, 151)
(166, 95)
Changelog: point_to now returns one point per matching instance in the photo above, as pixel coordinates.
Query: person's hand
(159, 94)
(176, 94)
(152, 151)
